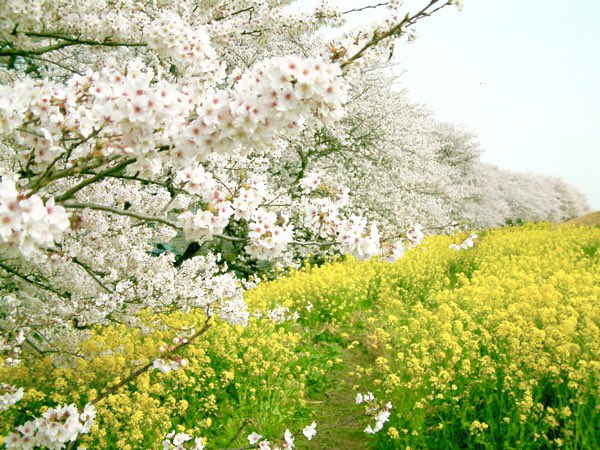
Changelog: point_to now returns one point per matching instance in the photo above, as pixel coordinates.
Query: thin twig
(365, 7)
(71, 192)
(92, 274)
(148, 365)
(49, 61)
(41, 179)
(395, 30)
(239, 431)
(15, 272)
(122, 212)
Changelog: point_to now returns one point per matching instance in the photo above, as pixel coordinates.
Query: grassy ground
(334, 408)
(590, 220)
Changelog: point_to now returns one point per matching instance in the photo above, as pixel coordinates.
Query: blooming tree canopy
(138, 141)
(127, 126)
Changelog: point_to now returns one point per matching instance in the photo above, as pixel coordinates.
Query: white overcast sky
(522, 74)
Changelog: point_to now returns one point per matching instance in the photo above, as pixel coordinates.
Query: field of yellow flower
(497, 346)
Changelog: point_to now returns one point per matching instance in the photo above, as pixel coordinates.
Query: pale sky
(524, 75)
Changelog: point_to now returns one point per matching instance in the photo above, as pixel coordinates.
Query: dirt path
(338, 418)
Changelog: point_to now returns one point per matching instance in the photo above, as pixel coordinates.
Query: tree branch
(68, 41)
(395, 30)
(365, 7)
(92, 274)
(71, 192)
(122, 212)
(26, 278)
(148, 365)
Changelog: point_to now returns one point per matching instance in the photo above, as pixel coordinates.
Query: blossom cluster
(10, 346)
(354, 235)
(119, 101)
(165, 366)
(54, 430)
(322, 213)
(310, 182)
(467, 243)
(379, 412)
(281, 314)
(10, 396)
(282, 93)
(26, 223)
(124, 107)
(181, 441)
(256, 440)
(269, 235)
(415, 235)
(189, 47)
(359, 240)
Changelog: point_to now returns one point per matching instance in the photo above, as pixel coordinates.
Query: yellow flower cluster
(233, 375)
(498, 345)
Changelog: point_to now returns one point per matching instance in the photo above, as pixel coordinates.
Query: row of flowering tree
(139, 142)
(402, 166)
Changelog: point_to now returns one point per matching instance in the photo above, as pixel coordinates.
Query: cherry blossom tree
(138, 141)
